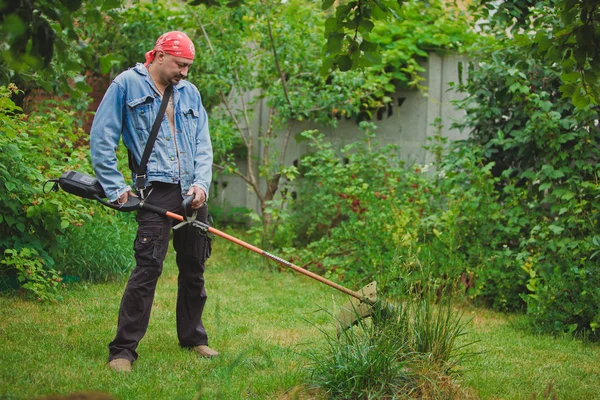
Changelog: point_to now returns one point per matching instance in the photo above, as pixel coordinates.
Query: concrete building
(411, 118)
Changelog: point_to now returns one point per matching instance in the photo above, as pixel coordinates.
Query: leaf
(545, 106)
(366, 25)
(334, 42)
(580, 100)
(13, 24)
(567, 196)
(72, 5)
(567, 90)
(111, 4)
(344, 63)
(557, 230)
(83, 86)
(326, 4)
(570, 77)
(64, 224)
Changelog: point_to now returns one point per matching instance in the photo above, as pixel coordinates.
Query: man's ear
(160, 56)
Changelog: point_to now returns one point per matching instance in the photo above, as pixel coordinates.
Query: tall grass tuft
(97, 251)
(407, 349)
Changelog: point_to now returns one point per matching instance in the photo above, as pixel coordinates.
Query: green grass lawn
(262, 323)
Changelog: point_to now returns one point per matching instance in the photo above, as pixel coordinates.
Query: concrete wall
(411, 118)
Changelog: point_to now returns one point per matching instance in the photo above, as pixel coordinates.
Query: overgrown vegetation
(34, 224)
(407, 349)
(508, 219)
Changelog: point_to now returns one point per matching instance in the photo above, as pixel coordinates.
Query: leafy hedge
(546, 158)
(504, 240)
(36, 148)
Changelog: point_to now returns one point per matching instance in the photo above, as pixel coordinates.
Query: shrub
(464, 239)
(546, 158)
(39, 280)
(356, 207)
(36, 148)
(100, 250)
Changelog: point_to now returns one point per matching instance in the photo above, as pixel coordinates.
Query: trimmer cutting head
(355, 310)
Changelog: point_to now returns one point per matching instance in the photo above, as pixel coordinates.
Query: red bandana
(175, 43)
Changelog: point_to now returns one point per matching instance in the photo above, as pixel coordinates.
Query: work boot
(205, 351)
(120, 365)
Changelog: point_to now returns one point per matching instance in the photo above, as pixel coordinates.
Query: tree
(44, 44)
(274, 54)
(571, 40)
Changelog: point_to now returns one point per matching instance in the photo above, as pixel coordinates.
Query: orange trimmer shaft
(255, 249)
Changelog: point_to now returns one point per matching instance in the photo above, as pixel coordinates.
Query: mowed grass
(516, 364)
(262, 323)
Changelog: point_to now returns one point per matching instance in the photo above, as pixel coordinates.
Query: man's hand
(199, 196)
(125, 196)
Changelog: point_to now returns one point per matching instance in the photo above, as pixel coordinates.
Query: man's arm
(104, 140)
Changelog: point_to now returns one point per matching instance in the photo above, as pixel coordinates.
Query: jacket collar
(143, 70)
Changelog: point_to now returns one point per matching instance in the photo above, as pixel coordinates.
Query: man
(180, 164)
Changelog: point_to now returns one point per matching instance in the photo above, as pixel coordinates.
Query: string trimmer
(85, 186)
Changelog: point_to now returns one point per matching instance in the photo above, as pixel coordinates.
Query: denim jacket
(128, 109)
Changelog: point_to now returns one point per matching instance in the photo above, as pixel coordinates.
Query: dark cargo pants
(192, 247)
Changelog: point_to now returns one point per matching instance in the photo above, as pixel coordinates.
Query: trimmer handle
(132, 204)
(186, 204)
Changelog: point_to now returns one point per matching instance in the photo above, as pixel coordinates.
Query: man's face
(173, 69)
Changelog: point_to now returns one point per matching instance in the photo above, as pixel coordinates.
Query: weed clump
(408, 348)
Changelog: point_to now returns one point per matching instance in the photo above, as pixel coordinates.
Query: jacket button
(169, 138)
(172, 158)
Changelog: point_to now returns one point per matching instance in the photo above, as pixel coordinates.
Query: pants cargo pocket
(192, 242)
(147, 247)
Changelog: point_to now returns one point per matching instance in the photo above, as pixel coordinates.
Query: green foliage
(561, 32)
(354, 206)
(98, 251)
(546, 158)
(46, 44)
(37, 148)
(33, 224)
(348, 32)
(419, 28)
(463, 239)
(39, 280)
(389, 34)
(407, 349)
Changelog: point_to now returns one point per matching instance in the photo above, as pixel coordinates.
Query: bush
(39, 280)
(356, 208)
(546, 158)
(464, 239)
(36, 148)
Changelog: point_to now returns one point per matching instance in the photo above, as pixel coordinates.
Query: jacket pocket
(191, 119)
(141, 113)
